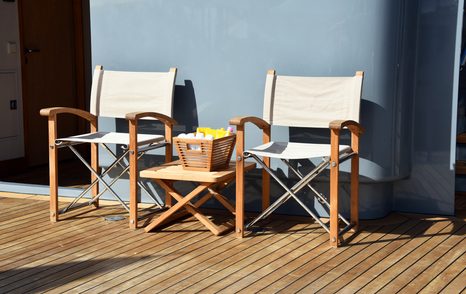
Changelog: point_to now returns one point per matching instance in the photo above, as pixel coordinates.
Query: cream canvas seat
(313, 102)
(116, 94)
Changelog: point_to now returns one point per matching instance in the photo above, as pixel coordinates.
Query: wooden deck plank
(70, 271)
(24, 241)
(279, 273)
(109, 268)
(47, 248)
(296, 273)
(424, 278)
(309, 272)
(35, 272)
(10, 208)
(169, 259)
(142, 284)
(262, 258)
(204, 261)
(29, 262)
(50, 233)
(416, 239)
(9, 197)
(458, 285)
(261, 262)
(417, 262)
(235, 260)
(343, 275)
(17, 216)
(446, 277)
(192, 262)
(335, 274)
(45, 251)
(23, 220)
(168, 249)
(22, 224)
(145, 265)
(391, 274)
(24, 232)
(84, 253)
(280, 269)
(269, 264)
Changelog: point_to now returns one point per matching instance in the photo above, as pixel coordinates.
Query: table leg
(223, 200)
(182, 202)
(193, 208)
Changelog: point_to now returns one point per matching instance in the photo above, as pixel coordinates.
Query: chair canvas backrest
(116, 93)
(311, 101)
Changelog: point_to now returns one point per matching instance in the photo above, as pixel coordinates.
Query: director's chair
(313, 102)
(115, 94)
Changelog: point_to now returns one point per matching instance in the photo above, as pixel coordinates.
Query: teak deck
(85, 252)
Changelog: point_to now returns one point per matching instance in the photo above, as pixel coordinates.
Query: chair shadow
(184, 112)
(49, 276)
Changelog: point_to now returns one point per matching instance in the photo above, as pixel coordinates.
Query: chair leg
(265, 186)
(95, 166)
(53, 170)
(168, 158)
(355, 192)
(133, 176)
(265, 175)
(334, 169)
(239, 198)
(53, 174)
(355, 181)
(239, 182)
(334, 240)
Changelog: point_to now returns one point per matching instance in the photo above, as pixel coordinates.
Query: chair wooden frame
(54, 112)
(335, 128)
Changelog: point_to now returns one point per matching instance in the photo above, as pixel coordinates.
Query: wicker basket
(203, 154)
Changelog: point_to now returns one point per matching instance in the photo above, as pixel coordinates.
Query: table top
(174, 171)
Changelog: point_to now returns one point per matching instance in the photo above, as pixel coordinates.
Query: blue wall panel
(224, 48)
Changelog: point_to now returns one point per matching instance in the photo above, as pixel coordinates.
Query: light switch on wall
(11, 47)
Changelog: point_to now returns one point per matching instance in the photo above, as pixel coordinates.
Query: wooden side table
(212, 182)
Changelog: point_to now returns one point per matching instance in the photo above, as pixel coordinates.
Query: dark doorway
(52, 68)
(55, 66)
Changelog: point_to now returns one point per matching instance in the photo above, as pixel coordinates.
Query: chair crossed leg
(304, 181)
(193, 208)
(117, 161)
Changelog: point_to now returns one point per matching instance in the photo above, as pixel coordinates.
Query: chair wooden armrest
(241, 120)
(353, 126)
(336, 126)
(134, 116)
(53, 111)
